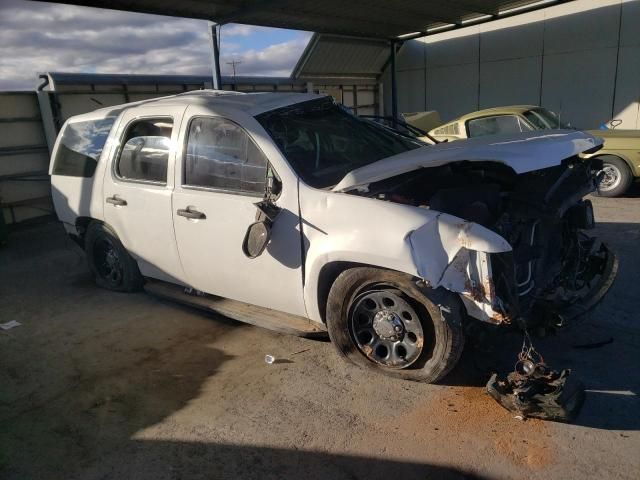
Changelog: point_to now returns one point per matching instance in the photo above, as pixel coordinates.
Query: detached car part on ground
(620, 153)
(285, 211)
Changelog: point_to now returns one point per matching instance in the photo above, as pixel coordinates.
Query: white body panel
(75, 197)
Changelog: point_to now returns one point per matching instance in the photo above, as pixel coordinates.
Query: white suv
(286, 211)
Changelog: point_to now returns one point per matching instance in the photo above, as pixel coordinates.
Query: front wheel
(380, 319)
(617, 177)
(109, 261)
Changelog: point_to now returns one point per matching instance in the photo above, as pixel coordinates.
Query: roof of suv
(250, 103)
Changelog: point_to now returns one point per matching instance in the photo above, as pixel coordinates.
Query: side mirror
(256, 239)
(615, 123)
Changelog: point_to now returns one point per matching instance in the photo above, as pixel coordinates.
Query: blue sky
(39, 37)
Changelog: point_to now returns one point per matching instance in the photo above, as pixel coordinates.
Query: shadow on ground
(172, 460)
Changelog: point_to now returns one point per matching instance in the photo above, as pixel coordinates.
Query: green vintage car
(620, 154)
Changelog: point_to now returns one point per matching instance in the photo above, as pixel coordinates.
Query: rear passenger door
(137, 189)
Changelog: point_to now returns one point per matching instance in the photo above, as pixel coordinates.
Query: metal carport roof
(390, 20)
(338, 56)
(366, 18)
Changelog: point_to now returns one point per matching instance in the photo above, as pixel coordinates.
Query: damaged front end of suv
(511, 227)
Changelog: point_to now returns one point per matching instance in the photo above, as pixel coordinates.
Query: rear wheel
(110, 263)
(380, 319)
(617, 177)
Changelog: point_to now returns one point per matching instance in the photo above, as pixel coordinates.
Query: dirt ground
(100, 385)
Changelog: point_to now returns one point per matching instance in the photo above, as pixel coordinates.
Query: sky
(40, 37)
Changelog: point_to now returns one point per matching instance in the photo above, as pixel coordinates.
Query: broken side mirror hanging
(256, 239)
(259, 233)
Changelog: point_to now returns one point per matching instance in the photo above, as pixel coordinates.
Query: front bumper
(500, 303)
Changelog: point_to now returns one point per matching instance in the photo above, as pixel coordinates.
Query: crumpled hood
(523, 152)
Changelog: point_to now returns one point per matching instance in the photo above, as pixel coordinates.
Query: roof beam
(368, 26)
(385, 19)
(473, 7)
(249, 8)
(415, 15)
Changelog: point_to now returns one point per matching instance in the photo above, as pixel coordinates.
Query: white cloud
(239, 30)
(39, 37)
(274, 61)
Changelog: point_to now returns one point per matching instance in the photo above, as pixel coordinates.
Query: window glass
(544, 119)
(80, 147)
(220, 154)
(500, 124)
(145, 153)
(323, 142)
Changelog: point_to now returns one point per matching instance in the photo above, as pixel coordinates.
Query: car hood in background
(609, 133)
(524, 153)
(619, 139)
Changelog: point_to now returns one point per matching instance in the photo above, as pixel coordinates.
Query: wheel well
(82, 224)
(328, 275)
(604, 156)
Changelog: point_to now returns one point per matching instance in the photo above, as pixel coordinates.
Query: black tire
(618, 177)
(110, 263)
(442, 341)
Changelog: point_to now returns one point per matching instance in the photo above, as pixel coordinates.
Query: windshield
(323, 142)
(544, 119)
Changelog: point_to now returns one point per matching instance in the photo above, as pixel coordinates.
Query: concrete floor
(100, 385)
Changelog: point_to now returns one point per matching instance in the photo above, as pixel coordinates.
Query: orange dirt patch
(468, 412)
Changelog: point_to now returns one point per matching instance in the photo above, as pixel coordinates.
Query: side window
(221, 155)
(500, 124)
(80, 147)
(145, 150)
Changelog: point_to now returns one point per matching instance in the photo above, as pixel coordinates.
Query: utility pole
(233, 64)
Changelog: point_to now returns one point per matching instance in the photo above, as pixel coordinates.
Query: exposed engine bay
(554, 265)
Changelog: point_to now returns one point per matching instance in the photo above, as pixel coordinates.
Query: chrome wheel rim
(386, 328)
(611, 178)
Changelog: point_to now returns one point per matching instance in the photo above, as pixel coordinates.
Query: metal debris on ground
(299, 351)
(533, 390)
(10, 325)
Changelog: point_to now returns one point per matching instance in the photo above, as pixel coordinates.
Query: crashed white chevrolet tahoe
(286, 211)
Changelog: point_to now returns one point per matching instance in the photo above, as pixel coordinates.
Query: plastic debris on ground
(9, 325)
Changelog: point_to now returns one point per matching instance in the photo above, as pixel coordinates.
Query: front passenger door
(223, 174)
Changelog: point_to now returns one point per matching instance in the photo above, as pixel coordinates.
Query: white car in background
(285, 211)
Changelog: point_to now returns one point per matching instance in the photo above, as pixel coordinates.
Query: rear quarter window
(80, 146)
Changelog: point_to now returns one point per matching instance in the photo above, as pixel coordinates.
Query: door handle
(192, 214)
(118, 202)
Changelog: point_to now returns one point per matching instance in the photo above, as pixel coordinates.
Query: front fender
(436, 244)
(423, 243)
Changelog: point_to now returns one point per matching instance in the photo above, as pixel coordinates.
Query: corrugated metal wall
(24, 158)
(581, 58)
